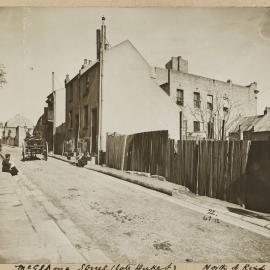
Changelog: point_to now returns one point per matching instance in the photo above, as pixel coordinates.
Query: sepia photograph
(134, 135)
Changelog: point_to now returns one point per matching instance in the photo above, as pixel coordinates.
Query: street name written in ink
(96, 267)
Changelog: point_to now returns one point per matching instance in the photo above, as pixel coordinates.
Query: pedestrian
(8, 166)
(82, 161)
(28, 134)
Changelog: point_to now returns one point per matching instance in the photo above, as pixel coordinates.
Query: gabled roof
(253, 123)
(83, 70)
(264, 123)
(131, 94)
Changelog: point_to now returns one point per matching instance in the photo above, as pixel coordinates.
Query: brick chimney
(178, 64)
(67, 79)
(229, 82)
(266, 110)
(101, 38)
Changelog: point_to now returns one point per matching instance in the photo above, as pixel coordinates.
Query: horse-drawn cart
(34, 146)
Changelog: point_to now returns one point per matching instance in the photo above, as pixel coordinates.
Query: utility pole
(102, 40)
(54, 109)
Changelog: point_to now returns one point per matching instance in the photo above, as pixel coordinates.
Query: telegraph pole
(102, 39)
(54, 109)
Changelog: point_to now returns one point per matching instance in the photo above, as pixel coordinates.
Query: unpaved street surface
(122, 222)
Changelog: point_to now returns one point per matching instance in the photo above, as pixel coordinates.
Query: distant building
(209, 107)
(1, 131)
(255, 128)
(15, 130)
(116, 93)
(45, 124)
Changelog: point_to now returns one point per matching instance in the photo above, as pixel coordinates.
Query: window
(226, 105)
(180, 97)
(196, 126)
(210, 102)
(87, 87)
(70, 119)
(70, 92)
(85, 116)
(197, 100)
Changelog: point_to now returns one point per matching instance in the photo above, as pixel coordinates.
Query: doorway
(94, 131)
(76, 130)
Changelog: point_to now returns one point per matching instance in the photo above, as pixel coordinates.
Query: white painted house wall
(132, 101)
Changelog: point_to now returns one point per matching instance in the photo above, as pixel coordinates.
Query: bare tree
(2, 75)
(214, 114)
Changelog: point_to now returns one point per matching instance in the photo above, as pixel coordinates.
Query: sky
(220, 43)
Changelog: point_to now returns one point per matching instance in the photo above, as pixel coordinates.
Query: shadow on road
(30, 159)
(248, 213)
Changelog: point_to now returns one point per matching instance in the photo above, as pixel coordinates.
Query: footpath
(212, 208)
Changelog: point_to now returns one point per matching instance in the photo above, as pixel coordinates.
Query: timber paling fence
(212, 168)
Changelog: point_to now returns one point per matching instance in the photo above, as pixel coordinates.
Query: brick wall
(79, 100)
(240, 99)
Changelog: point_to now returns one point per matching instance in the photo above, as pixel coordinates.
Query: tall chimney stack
(103, 33)
(98, 44)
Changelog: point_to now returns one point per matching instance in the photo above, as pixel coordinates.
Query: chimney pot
(67, 79)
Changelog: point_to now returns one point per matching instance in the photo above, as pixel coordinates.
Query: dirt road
(125, 222)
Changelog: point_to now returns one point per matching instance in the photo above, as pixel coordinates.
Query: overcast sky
(228, 43)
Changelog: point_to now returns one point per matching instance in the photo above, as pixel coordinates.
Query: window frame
(86, 115)
(197, 102)
(194, 126)
(70, 92)
(180, 98)
(70, 116)
(210, 105)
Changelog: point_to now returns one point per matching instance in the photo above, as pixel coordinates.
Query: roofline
(77, 75)
(196, 75)
(128, 41)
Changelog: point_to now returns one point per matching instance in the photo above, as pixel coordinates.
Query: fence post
(197, 165)
(124, 152)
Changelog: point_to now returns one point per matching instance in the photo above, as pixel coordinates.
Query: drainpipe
(54, 110)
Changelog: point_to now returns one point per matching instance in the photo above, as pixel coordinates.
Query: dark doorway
(94, 132)
(76, 130)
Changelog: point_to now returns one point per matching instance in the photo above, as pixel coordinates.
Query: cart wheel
(23, 152)
(45, 152)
